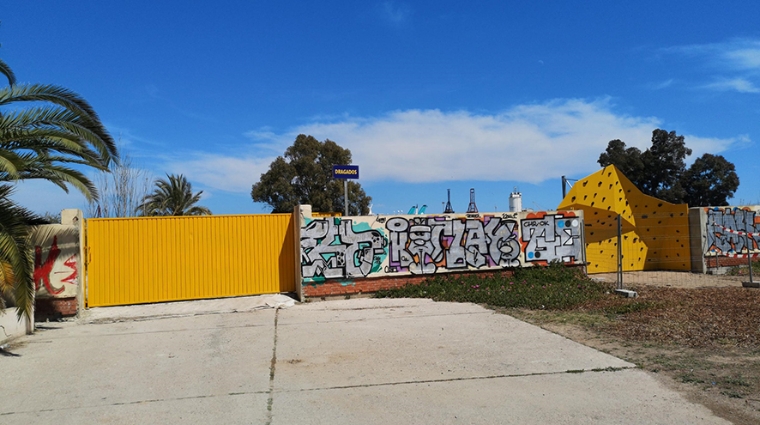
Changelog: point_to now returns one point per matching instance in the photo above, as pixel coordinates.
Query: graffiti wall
(56, 261)
(356, 247)
(732, 231)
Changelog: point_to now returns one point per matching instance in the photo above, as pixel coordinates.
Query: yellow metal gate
(156, 259)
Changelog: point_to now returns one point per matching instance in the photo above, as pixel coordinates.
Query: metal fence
(156, 259)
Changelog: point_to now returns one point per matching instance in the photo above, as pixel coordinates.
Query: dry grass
(698, 318)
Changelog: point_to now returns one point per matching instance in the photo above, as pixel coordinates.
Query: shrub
(555, 287)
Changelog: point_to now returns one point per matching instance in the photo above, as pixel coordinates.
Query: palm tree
(59, 130)
(43, 141)
(16, 267)
(172, 197)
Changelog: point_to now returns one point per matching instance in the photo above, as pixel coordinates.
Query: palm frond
(67, 99)
(9, 164)
(62, 177)
(8, 72)
(172, 196)
(15, 249)
(75, 130)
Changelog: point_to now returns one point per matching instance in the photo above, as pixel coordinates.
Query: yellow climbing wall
(655, 233)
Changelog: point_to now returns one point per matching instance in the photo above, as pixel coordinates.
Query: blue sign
(345, 171)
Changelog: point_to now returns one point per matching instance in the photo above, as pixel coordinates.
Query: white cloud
(740, 85)
(702, 145)
(743, 54)
(737, 62)
(228, 173)
(527, 143)
(735, 54)
(396, 14)
(41, 197)
(661, 85)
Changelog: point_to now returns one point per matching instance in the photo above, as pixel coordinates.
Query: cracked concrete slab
(339, 362)
(82, 370)
(418, 340)
(233, 409)
(179, 309)
(624, 397)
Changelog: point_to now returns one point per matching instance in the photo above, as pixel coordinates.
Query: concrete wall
(345, 249)
(57, 269)
(11, 327)
(722, 234)
(697, 239)
(56, 261)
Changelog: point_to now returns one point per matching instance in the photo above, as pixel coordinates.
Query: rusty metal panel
(156, 259)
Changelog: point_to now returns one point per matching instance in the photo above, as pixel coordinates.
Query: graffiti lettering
(535, 223)
(42, 270)
(56, 261)
(552, 238)
(423, 245)
(335, 248)
(720, 242)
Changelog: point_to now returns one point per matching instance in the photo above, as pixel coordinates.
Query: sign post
(345, 172)
(345, 197)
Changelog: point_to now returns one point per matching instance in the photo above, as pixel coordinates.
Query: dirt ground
(675, 279)
(699, 334)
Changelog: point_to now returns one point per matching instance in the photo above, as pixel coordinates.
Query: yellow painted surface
(655, 232)
(316, 214)
(156, 259)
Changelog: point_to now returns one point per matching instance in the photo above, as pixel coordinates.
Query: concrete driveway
(359, 361)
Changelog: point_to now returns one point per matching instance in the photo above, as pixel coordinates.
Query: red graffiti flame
(42, 270)
(72, 264)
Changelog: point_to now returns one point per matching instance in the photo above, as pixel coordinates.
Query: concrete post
(698, 240)
(297, 223)
(75, 217)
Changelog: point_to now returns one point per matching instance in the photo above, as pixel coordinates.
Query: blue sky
(428, 95)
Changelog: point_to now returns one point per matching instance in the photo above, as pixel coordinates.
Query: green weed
(555, 287)
(743, 270)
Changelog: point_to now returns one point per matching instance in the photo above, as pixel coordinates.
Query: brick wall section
(53, 308)
(727, 261)
(369, 285)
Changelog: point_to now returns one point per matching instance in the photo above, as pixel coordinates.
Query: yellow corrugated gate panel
(154, 259)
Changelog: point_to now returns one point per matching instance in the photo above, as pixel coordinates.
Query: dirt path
(674, 279)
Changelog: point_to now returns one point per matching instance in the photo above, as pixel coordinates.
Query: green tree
(173, 196)
(304, 176)
(627, 160)
(665, 164)
(51, 139)
(661, 170)
(710, 181)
